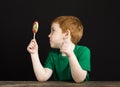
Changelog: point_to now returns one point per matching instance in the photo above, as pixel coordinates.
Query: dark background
(101, 22)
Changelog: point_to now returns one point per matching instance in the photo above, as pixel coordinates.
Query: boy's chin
(52, 46)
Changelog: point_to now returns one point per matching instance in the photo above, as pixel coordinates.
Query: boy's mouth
(50, 41)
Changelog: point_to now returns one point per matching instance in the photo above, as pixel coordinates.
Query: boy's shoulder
(81, 47)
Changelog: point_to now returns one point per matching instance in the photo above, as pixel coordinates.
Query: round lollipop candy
(35, 28)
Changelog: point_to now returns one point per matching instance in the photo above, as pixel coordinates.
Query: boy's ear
(67, 34)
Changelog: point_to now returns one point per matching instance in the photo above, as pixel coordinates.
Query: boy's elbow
(41, 80)
(79, 81)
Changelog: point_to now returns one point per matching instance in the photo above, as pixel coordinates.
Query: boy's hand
(32, 47)
(66, 47)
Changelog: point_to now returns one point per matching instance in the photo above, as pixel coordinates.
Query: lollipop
(35, 28)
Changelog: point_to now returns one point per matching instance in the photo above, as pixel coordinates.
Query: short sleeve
(49, 61)
(84, 58)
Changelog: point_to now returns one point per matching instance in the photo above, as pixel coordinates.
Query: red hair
(71, 23)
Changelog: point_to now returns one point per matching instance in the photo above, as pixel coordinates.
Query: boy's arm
(77, 72)
(42, 74)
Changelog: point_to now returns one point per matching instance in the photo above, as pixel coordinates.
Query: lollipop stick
(33, 35)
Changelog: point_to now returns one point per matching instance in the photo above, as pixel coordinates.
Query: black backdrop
(101, 25)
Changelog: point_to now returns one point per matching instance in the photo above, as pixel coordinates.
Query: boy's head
(71, 23)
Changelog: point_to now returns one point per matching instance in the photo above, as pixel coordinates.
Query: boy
(67, 61)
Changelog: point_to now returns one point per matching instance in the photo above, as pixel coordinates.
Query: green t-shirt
(60, 64)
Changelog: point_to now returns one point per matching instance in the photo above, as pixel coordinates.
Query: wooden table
(59, 84)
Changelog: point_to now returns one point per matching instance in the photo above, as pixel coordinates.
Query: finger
(30, 47)
(65, 44)
(34, 40)
(32, 44)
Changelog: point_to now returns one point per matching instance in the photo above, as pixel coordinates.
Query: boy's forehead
(55, 25)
